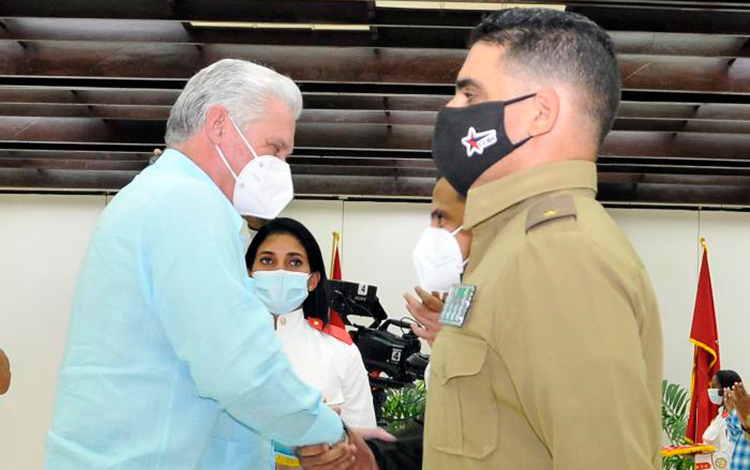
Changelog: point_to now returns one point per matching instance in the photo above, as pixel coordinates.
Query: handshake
(354, 454)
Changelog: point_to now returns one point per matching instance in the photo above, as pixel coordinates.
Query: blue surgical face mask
(282, 291)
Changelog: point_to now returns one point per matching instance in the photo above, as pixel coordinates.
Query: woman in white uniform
(287, 268)
(287, 273)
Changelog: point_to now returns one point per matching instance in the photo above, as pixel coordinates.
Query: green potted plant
(674, 420)
(403, 404)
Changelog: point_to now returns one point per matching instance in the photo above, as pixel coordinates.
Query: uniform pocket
(462, 414)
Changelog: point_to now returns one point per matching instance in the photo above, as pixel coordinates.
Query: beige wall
(43, 238)
(42, 242)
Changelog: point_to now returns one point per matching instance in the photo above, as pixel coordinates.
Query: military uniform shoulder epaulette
(331, 330)
(551, 208)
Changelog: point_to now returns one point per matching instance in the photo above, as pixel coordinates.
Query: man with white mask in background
(439, 258)
(165, 332)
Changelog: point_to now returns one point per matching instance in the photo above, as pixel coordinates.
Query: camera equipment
(391, 360)
(383, 352)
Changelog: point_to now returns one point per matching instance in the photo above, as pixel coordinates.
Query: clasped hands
(354, 454)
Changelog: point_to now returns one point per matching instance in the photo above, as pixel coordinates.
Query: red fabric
(334, 318)
(706, 363)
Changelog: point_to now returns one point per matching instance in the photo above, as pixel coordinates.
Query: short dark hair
(562, 46)
(727, 378)
(316, 304)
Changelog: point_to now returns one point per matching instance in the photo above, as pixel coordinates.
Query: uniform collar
(290, 321)
(495, 197)
(175, 161)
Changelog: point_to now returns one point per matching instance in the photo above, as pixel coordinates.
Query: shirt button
(282, 321)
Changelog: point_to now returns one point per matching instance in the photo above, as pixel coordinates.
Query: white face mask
(438, 260)
(264, 186)
(713, 395)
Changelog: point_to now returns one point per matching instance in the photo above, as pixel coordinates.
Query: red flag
(706, 363)
(333, 317)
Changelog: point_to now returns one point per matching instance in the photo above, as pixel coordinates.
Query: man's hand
(728, 399)
(741, 401)
(4, 372)
(324, 457)
(254, 223)
(426, 312)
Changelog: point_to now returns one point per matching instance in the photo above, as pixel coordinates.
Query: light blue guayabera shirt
(165, 333)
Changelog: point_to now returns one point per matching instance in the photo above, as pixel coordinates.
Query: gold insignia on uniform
(551, 208)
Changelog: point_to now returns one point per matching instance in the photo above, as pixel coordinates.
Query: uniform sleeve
(358, 410)
(219, 328)
(571, 342)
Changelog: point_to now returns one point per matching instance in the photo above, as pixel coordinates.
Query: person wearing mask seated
(4, 373)
(286, 272)
(716, 433)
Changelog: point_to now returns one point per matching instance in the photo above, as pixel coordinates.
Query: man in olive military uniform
(552, 359)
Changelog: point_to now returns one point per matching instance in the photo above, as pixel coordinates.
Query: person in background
(165, 332)
(447, 210)
(716, 433)
(4, 373)
(741, 400)
(447, 215)
(737, 427)
(287, 274)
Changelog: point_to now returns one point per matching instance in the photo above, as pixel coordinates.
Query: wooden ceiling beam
(356, 102)
(630, 189)
(355, 65)
(361, 137)
(646, 15)
(347, 118)
(170, 32)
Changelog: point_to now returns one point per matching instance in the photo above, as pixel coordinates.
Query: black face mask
(467, 141)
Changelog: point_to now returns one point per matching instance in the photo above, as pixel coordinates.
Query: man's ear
(216, 120)
(546, 104)
(313, 282)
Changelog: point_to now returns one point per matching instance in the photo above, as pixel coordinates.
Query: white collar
(290, 320)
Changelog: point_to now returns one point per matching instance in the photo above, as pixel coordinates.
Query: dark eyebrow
(294, 253)
(267, 253)
(438, 213)
(468, 82)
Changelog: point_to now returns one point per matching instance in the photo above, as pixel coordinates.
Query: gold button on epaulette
(551, 208)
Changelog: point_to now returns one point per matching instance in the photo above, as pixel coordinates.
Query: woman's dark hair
(316, 304)
(727, 378)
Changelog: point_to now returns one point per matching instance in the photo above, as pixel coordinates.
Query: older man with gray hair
(165, 333)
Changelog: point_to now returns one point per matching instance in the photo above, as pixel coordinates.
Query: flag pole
(703, 244)
(336, 238)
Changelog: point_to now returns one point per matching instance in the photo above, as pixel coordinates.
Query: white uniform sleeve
(358, 410)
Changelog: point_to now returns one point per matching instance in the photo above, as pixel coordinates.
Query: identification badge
(457, 305)
(284, 456)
